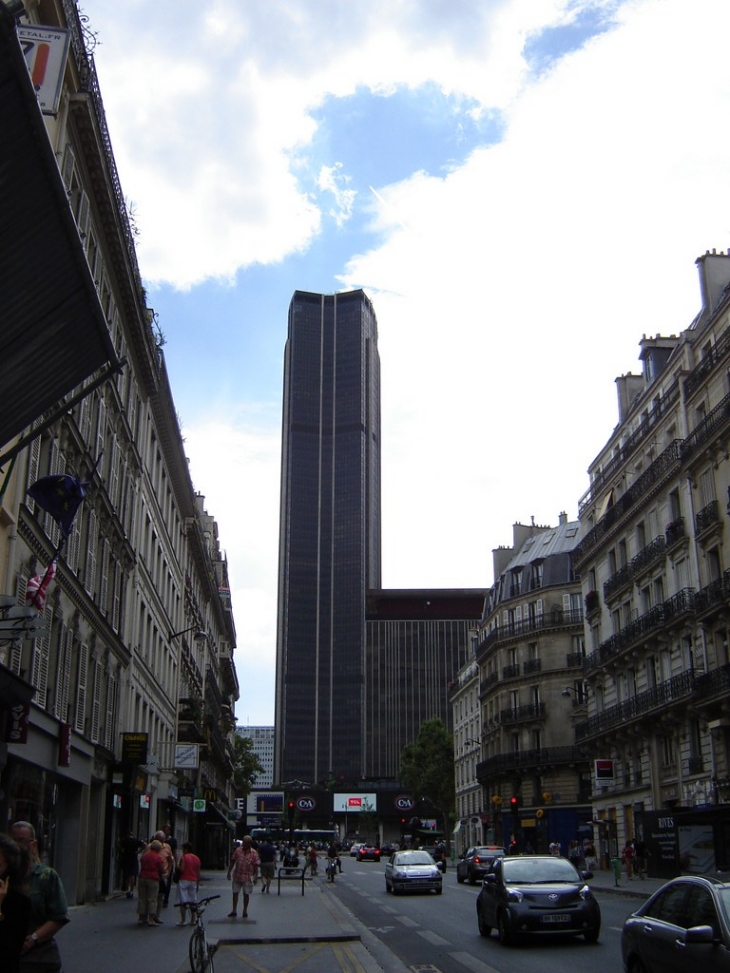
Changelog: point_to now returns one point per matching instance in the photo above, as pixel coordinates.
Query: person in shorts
(267, 860)
(244, 867)
(187, 888)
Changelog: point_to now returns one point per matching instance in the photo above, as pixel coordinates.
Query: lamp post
(200, 635)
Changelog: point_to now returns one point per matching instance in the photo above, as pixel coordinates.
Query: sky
(521, 187)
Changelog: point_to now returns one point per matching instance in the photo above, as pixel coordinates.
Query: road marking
(349, 963)
(433, 938)
(425, 968)
(407, 921)
(472, 963)
(383, 929)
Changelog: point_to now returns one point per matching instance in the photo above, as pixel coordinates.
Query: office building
(262, 741)
(329, 554)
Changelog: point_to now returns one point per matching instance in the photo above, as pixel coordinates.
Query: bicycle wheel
(198, 951)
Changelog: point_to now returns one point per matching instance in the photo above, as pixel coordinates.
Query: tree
(427, 768)
(367, 822)
(245, 765)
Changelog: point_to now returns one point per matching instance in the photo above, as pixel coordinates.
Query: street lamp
(200, 635)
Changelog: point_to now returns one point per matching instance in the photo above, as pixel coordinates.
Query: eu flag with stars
(60, 495)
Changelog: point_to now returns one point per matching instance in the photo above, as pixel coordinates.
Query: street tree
(427, 768)
(246, 765)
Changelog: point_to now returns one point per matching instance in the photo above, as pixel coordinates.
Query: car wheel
(505, 933)
(591, 935)
(484, 929)
(396, 890)
(472, 878)
(439, 890)
(388, 888)
(459, 878)
(636, 966)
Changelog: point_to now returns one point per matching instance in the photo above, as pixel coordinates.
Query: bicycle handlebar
(207, 899)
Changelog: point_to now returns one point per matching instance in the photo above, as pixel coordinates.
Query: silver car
(412, 871)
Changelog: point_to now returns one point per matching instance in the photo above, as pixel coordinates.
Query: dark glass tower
(329, 546)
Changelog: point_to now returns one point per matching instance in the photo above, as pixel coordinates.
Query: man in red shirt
(245, 868)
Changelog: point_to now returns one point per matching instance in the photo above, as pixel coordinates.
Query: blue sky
(521, 187)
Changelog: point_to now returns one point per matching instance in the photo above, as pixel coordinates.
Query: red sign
(354, 802)
(64, 745)
(16, 730)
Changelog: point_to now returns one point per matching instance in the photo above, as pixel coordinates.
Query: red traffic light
(291, 805)
(514, 803)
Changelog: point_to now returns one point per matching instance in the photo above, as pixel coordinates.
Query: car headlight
(435, 873)
(585, 893)
(398, 873)
(514, 895)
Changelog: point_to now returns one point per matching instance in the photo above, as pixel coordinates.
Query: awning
(53, 330)
(214, 813)
(457, 829)
(14, 691)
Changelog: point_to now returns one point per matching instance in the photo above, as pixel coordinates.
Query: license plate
(559, 917)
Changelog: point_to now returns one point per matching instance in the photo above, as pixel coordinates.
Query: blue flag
(60, 496)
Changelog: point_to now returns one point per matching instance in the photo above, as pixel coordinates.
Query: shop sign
(186, 756)
(199, 805)
(45, 50)
(16, 730)
(134, 748)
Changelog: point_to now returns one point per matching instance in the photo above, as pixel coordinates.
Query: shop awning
(14, 691)
(216, 815)
(53, 333)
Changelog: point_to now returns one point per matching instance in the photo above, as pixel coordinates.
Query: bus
(322, 838)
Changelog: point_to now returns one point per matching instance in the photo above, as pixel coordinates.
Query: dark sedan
(368, 853)
(684, 926)
(474, 864)
(538, 894)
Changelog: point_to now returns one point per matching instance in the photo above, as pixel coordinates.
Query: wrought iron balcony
(555, 619)
(648, 555)
(711, 426)
(674, 532)
(707, 517)
(617, 581)
(532, 665)
(645, 704)
(574, 660)
(707, 363)
(641, 628)
(715, 594)
(506, 763)
(522, 714)
(509, 672)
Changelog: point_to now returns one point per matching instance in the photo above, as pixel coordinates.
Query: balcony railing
(674, 531)
(509, 672)
(707, 517)
(529, 626)
(641, 628)
(713, 423)
(714, 594)
(709, 360)
(617, 581)
(532, 665)
(574, 660)
(506, 763)
(675, 689)
(522, 714)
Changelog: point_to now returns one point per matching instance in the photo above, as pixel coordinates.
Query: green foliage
(245, 765)
(367, 822)
(427, 767)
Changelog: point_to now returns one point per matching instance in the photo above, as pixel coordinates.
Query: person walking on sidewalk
(49, 909)
(187, 888)
(151, 869)
(267, 859)
(14, 903)
(130, 847)
(244, 866)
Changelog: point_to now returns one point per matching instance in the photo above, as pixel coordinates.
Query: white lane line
(407, 921)
(433, 938)
(472, 963)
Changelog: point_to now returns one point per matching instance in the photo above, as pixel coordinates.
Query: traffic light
(290, 809)
(514, 803)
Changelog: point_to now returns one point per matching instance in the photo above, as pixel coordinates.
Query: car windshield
(413, 858)
(519, 871)
(486, 853)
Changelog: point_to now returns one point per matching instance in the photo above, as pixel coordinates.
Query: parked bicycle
(201, 951)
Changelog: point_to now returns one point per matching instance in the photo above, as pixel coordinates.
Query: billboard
(354, 803)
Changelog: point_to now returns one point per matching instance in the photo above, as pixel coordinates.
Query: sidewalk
(310, 933)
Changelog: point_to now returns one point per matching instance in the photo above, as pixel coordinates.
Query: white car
(354, 849)
(412, 871)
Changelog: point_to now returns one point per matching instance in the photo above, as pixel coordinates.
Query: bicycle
(201, 951)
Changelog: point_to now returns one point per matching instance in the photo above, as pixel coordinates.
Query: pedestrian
(641, 854)
(168, 867)
(312, 857)
(554, 848)
(48, 906)
(267, 860)
(187, 887)
(244, 866)
(171, 843)
(130, 847)
(14, 902)
(574, 854)
(589, 853)
(151, 869)
(627, 856)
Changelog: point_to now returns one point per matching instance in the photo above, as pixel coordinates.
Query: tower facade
(329, 547)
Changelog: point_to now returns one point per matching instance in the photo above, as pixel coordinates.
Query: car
(368, 853)
(438, 853)
(476, 862)
(412, 871)
(536, 894)
(354, 849)
(685, 925)
(387, 850)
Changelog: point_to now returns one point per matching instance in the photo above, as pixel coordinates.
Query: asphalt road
(438, 933)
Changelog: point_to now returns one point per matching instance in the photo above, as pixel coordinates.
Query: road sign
(199, 805)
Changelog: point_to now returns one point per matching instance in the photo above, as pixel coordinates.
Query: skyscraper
(329, 547)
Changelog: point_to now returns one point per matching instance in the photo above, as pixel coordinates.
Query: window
(536, 575)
